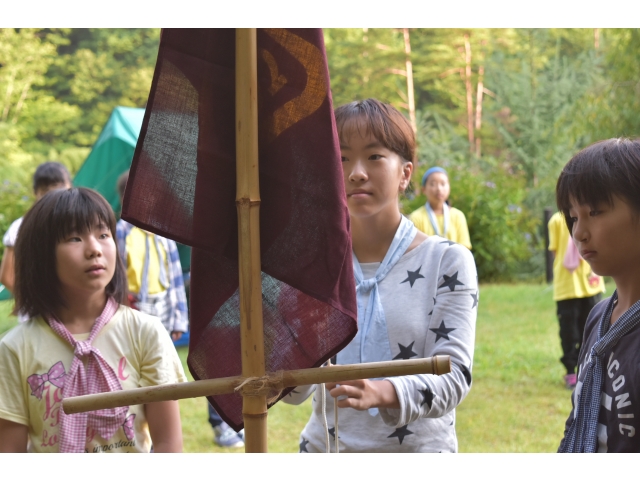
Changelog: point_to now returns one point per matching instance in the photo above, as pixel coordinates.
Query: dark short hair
(121, 183)
(50, 173)
(382, 121)
(56, 215)
(598, 173)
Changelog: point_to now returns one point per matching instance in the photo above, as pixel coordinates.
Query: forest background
(501, 109)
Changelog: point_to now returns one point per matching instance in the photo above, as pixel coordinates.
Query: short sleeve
(419, 220)
(160, 363)
(9, 239)
(13, 406)
(462, 230)
(553, 231)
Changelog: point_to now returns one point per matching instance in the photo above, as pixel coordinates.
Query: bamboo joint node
(246, 202)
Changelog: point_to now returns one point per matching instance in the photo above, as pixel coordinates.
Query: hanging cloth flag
(182, 185)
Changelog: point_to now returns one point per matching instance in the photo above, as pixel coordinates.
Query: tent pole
(254, 408)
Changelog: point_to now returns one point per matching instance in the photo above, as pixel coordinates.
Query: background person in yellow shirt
(437, 217)
(154, 273)
(576, 290)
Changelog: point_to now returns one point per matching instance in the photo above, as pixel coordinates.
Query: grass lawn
(517, 403)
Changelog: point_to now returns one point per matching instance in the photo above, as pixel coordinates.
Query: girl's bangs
(355, 122)
(381, 121)
(79, 212)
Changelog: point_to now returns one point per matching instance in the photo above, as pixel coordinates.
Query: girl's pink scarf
(89, 373)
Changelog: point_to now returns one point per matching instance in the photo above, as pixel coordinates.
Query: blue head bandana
(430, 171)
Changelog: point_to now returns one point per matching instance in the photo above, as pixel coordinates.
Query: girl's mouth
(358, 193)
(96, 269)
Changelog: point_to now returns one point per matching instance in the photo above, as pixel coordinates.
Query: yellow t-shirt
(567, 285)
(458, 231)
(136, 246)
(134, 344)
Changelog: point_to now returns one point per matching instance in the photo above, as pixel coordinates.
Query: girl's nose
(94, 249)
(358, 173)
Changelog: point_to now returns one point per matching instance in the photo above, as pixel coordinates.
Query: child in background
(598, 194)
(48, 176)
(417, 297)
(437, 217)
(576, 290)
(80, 339)
(153, 272)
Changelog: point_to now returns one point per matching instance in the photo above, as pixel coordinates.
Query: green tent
(4, 293)
(111, 155)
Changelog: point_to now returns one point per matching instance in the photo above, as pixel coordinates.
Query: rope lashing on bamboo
(258, 386)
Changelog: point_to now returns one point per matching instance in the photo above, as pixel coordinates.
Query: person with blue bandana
(437, 217)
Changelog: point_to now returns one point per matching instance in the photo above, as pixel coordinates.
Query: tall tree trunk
(365, 54)
(596, 38)
(479, 97)
(7, 98)
(467, 82)
(21, 100)
(410, 93)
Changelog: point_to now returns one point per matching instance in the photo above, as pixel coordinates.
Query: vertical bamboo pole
(254, 408)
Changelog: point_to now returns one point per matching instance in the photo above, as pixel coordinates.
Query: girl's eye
(344, 159)
(104, 235)
(593, 213)
(573, 219)
(375, 156)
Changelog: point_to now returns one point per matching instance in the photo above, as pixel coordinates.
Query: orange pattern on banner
(277, 81)
(315, 90)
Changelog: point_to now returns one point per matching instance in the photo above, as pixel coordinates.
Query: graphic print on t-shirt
(47, 387)
(617, 420)
(617, 429)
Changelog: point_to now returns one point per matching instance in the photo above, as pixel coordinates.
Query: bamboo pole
(438, 365)
(254, 408)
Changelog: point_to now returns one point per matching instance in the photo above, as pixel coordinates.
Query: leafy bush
(15, 200)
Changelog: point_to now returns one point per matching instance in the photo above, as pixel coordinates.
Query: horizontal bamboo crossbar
(438, 365)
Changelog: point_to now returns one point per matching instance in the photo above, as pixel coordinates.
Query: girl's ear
(407, 169)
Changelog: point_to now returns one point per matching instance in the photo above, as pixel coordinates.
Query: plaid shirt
(176, 296)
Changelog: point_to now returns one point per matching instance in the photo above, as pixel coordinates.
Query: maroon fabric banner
(182, 186)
